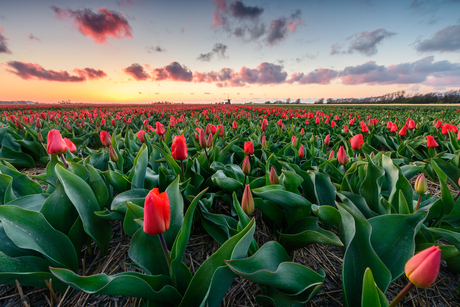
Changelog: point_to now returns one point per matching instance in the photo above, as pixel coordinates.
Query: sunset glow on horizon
(139, 51)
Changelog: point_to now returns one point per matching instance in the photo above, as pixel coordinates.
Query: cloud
(173, 72)
(33, 37)
(128, 3)
(279, 28)
(218, 49)
(151, 49)
(424, 71)
(366, 42)
(3, 44)
(137, 72)
(318, 76)
(445, 40)
(29, 71)
(239, 10)
(99, 26)
(207, 93)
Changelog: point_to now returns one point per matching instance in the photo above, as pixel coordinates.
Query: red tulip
(141, 136)
(403, 131)
(265, 124)
(327, 140)
(294, 140)
(234, 125)
(56, 145)
(273, 177)
(248, 148)
(202, 138)
(345, 128)
(160, 129)
(394, 127)
(221, 132)
(263, 141)
(112, 154)
(331, 155)
(431, 142)
(146, 125)
(357, 141)
(157, 212)
(342, 156)
(364, 128)
(423, 268)
(106, 138)
(438, 124)
(38, 123)
(301, 152)
(246, 166)
(213, 129)
(179, 148)
(302, 132)
(411, 124)
(70, 145)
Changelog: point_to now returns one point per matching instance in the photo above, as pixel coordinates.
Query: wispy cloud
(281, 27)
(99, 25)
(445, 40)
(35, 71)
(151, 49)
(3, 44)
(218, 49)
(365, 42)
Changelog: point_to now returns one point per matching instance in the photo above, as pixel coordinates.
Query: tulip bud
(246, 166)
(56, 145)
(202, 138)
(38, 123)
(70, 145)
(68, 126)
(248, 148)
(431, 142)
(423, 268)
(302, 132)
(357, 141)
(331, 155)
(234, 125)
(342, 156)
(294, 140)
(18, 124)
(112, 154)
(141, 136)
(146, 125)
(40, 137)
(274, 179)
(209, 141)
(247, 203)
(157, 212)
(106, 138)
(301, 152)
(263, 141)
(421, 185)
(327, 140)
(179, 148)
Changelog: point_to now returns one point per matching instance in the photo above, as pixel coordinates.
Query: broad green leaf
(84, 200)
(324, 189)
(451, 236)
(370, 187)
(31, 202)
(177, 212)
(327, 214)
(446, 197)
(169, 159)
(17, 158)
(393, 239)
(155, 288)
(59, 210)
(30, 230)
(22, 185)
(226, 183)
(372, 296)
(397, 184)
(118, 181)
(359, 255)
(137, 175)
(98, 187)
(118, 203)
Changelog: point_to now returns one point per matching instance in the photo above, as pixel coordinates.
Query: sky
(141, 51)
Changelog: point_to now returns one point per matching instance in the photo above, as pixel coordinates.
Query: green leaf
(324, 189)
(397, 184)
(328, 214)
(226, 183)
(22, 185)
(84, 200)
(393, 239)
(30, 202)
(305, 232)
(30, 230)
(98, 186)
(234, 248)
(170, 160)
(17, 158)
(6, 189)
(371, 187)
(359, 255)
(372, 296)
(59, 210)
(155, 288)
(28, 270)
(118, 203)
(294, 206)
(291, 181)
(137, 175)
(177, 212)
(451, 236)
(118, 181)
(356, 203)
(446, 197)
(271, 266)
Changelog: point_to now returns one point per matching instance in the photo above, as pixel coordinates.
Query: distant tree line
(452, 96)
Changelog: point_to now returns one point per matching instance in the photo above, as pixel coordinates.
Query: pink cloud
(137, 72)
(173, 72)
(99, 26)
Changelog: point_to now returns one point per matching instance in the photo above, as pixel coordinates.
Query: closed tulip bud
(357, 141)
(209, 141)
(431, 142)
(141, 136)
(327, 140)
(157, 212)
(160, 129)
(179, 148)
(342, 156)
(248, 148)
(106, 138)
(274, 179)
(146, 125)
(301, 152)
(222, 131)
(421, 184)
(40, 137)
(68, 126)
(202, 138)
(18, 124)
(265, 124)
(246, 166)
(112, 154)
(423, 268)
(38, 123)
(403, 131)
(208, 129)
(213, 129)
(247, 203)
(234, 125)
(294, 140)
(70, 145)
(302, 132)
(331, 155)
(56, 145)
(263, 141)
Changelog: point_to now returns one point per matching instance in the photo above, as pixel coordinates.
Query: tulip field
(376, 186)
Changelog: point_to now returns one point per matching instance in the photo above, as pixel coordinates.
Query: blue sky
(202, 51)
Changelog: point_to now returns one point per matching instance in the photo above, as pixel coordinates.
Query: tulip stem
(456, 196)
(165, 249)
(182, 169)
(345, 169)
(206, 152)
(418, 203)
(64, 161)
(245, 176)
(401, 294)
